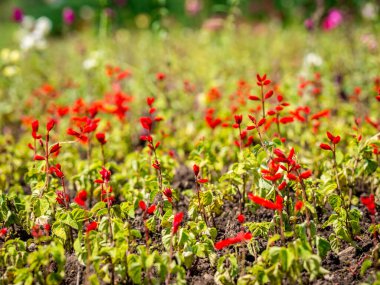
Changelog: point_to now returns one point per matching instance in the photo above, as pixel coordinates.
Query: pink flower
(333, 20)
(17, 15)
(68, 16)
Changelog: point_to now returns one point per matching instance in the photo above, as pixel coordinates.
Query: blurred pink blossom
(333, 19)
(17, 15)
(68, 16)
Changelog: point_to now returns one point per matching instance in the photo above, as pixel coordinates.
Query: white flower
(89, 63)
(10, 71)
(27, 42)
(369, 11)
(312, 59)
(43, 26)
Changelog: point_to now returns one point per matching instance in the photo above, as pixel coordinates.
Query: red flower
(298, 206)
(196, 170)
(325, 146)
(203, 180)
(238, 119)
(241, 218)
(282, 185)
(91, 227)
(306, 174)
(160, 76)
(142, 205)
(150, 101)
(55, 148)
(39, 157)
(106, 175)
(50, 125)
(3, 232)
(240, 237)
(267, 203)
(332, 138)
(35, 125)
(177, 221)
(369, 202)
(101, 137)
(62, 198)
(81, 198)
(169, 194)
(146, 123)
(151, 209)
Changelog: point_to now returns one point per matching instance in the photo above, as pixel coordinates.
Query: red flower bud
(101, 137)
(325, 146)
(196, 170)
(50, 125)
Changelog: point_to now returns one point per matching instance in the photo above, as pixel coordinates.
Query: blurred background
(164, 14)
(28, 23)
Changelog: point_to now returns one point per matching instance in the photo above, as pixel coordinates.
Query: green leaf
(370, 166)
(323, 246)
(207, 198)
(134, 268)
(68, 220)
(335, 201)
(365, 265)
(40, 206)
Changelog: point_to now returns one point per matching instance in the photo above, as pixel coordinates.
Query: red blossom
(91, 227)
(306, 174)
(50, 125)
(369, 203)
(81, 198)
(169, 194)
(240, 237)
(142, 205)
(241, 218)
(62, 198)
(298, 206)
(267, 203)
(146, 123)
(177, 221)
(3, 232)
(101, 137)
(196, 170)
(325, 146)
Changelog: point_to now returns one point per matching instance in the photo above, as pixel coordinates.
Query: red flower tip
(3, 232)
(146, 123)
(101, 137)
(240, 237)
(238, 119)
(196, 170)
(55, 148)
(81, 198)
(241, 218)
(39, 157)
(160, 76)
(298, 206)
(91, 227)
(151, 209)
(35, 125)
(369, 203)
(282, 185)
(177, 221)
(50, 125)
(325, 146)
(168, 193)
(306, 174)
(150, 101)
(203, 180)
(142, 205)
(268, 94)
